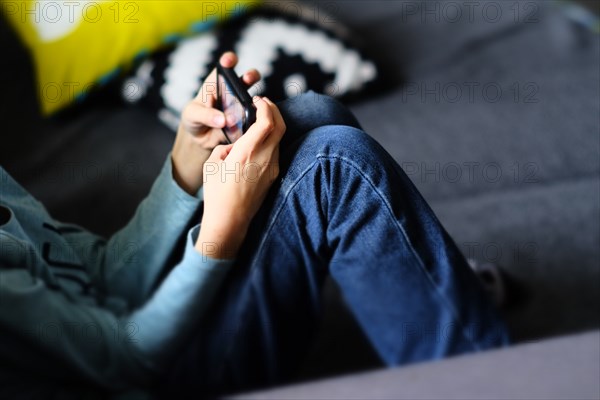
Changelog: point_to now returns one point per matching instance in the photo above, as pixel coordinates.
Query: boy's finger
(228, 59)
(277, 117)
(264, 124)
(197, 116)
(220, 152)
(250, 77)
(207, 94)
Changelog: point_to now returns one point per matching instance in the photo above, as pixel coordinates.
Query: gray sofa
(494, 116)
(524, 371)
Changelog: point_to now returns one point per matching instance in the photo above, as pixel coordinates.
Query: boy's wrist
(188, 162)
(221, 241)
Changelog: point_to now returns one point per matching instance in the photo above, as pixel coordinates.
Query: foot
(492, 279)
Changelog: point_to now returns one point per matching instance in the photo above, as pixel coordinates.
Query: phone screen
(233, 110)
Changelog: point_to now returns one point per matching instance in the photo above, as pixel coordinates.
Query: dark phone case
(239, 91)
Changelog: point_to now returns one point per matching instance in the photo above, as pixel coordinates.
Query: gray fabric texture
(565, 368)
(545, 238)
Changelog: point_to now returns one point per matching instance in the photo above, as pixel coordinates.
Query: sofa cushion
(103, 161)
(563, 368)
(519, 110)
(545, 238)
(420, 36)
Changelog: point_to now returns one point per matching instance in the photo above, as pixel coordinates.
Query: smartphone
(235, 102)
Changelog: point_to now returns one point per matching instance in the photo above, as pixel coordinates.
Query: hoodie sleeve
(131, 262)
(46, 331)
(43, 331)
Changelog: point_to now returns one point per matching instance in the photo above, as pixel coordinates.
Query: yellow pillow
(78, 44)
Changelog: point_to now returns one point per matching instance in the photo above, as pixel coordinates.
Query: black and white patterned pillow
(292, 53)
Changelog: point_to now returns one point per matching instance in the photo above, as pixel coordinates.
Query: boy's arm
(46, 332)
(130, 263)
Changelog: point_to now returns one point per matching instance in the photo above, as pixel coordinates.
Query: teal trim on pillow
(80, 98)
(104, 79)
(172, 38)
(142, 54)
(203, 26)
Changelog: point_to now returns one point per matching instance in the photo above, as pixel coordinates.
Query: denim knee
(311, 110)
(319, 104)
(339, 143)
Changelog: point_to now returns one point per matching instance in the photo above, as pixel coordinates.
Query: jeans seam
(253, 267)
(443, 298)
(286, 194)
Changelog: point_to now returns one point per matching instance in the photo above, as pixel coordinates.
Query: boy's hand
(236, 180)
(200, 129)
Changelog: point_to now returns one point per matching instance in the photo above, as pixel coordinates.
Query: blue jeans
(342, 207)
